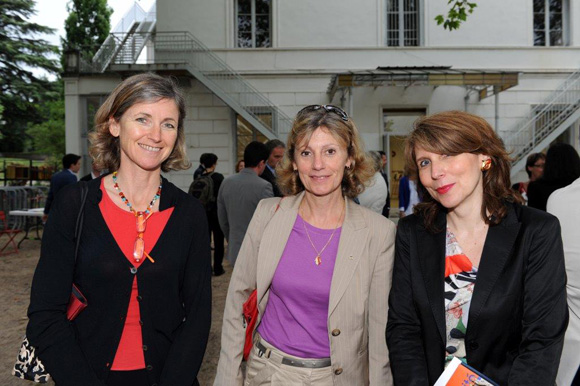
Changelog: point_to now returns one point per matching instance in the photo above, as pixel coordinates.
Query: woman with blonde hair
(477, 276)
(321, 265)
(143, 261)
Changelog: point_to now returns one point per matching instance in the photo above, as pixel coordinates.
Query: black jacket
(174, 293)
(271, 178)
(518, 313)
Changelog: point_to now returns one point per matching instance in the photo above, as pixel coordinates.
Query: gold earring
(486, 164)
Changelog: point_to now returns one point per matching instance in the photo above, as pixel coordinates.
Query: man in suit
(239, 195)
(95, 173)
(565, 204)
(71, 164)
(387, 207)
(276, 150)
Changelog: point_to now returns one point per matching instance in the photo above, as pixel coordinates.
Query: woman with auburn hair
(477, 275)
(143, 261)
(321, 265)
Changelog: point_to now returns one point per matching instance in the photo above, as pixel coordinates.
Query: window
(403, 20)
(253, 23)
(246, 133)
(549, 22)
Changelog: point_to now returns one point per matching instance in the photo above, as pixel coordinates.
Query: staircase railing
(544, 119)
(117, 37)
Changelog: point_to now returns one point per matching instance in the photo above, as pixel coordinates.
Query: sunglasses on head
(329, 108)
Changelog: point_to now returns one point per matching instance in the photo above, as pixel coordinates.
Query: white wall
(344, 23)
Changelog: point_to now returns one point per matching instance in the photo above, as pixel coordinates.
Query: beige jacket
(358, 293)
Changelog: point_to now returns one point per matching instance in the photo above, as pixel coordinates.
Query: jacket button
(149, 367)
(122, 317)
(139, 298)
(144, 347)
(133, 270)
(338, 371)
(336, 332)
(473, 345)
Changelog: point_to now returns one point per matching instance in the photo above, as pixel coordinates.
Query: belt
(308, 363)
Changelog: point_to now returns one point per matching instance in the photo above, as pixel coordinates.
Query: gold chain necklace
(318, 259)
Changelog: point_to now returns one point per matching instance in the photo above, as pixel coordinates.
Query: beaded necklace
(141, 217)
(126, 201)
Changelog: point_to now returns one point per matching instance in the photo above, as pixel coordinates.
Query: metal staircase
(545, 122)
(127, 39)
(181, 50)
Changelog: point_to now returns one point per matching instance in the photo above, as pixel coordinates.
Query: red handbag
(250, 317)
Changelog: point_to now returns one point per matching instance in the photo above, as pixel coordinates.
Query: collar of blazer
(496, 252)
(352, 242)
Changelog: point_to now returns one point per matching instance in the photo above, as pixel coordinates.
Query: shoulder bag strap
(80, 217)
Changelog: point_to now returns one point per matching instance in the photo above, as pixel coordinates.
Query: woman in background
(562, 167)
(375, 194)
(144, 256)
(477, 276)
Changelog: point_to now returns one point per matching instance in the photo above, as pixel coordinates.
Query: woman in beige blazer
(321, 265)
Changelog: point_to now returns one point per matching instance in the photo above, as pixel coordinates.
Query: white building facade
(247, 67)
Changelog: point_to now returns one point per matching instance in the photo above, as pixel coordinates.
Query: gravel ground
(16, 272)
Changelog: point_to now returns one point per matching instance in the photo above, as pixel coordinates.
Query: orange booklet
(458, 373)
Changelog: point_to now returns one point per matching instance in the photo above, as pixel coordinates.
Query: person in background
(321, 265)
(200, 169)
(477, 276)
(561, 169)
(408, 194)
(95, 173)
(535, 169)
(240, 165)
(71, 164)
(209, 162)
(565, 204)
(387, 208)
(144, 259)
(276, 149)
(239, 196)
(375, 194)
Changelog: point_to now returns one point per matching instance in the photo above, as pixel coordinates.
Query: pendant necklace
(141, 216)
(318, 259)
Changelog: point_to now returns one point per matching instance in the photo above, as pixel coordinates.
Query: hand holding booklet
(458, 373)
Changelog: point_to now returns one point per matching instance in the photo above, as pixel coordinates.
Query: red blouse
(122, 224)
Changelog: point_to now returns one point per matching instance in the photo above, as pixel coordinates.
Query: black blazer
(271, 178)
(174, 292)
(518, 314)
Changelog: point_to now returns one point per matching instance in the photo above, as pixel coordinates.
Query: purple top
(295, 319)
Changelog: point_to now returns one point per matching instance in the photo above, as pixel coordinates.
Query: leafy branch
(457, 14)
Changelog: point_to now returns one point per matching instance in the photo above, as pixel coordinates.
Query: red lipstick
(444, 189)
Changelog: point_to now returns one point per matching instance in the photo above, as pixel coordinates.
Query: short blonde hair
(344, 131)
(105, 148)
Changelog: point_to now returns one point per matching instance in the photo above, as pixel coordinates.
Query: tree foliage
(457, 14)
(21, 52)
(48, 136)
(87, 26)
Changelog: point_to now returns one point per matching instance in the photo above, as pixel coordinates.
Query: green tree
(87, 26)
(48, 136)
(456, 15)
(21, 52)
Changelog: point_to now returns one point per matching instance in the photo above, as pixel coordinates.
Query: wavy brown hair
(104, 147)
(456, 132)
(344, 131)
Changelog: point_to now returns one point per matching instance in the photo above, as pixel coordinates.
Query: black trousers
(218, 240)
(576, 381)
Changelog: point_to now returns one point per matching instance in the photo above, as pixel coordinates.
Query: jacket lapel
(276, 232)
(496, 252)
(353, 239)
(431, 253)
